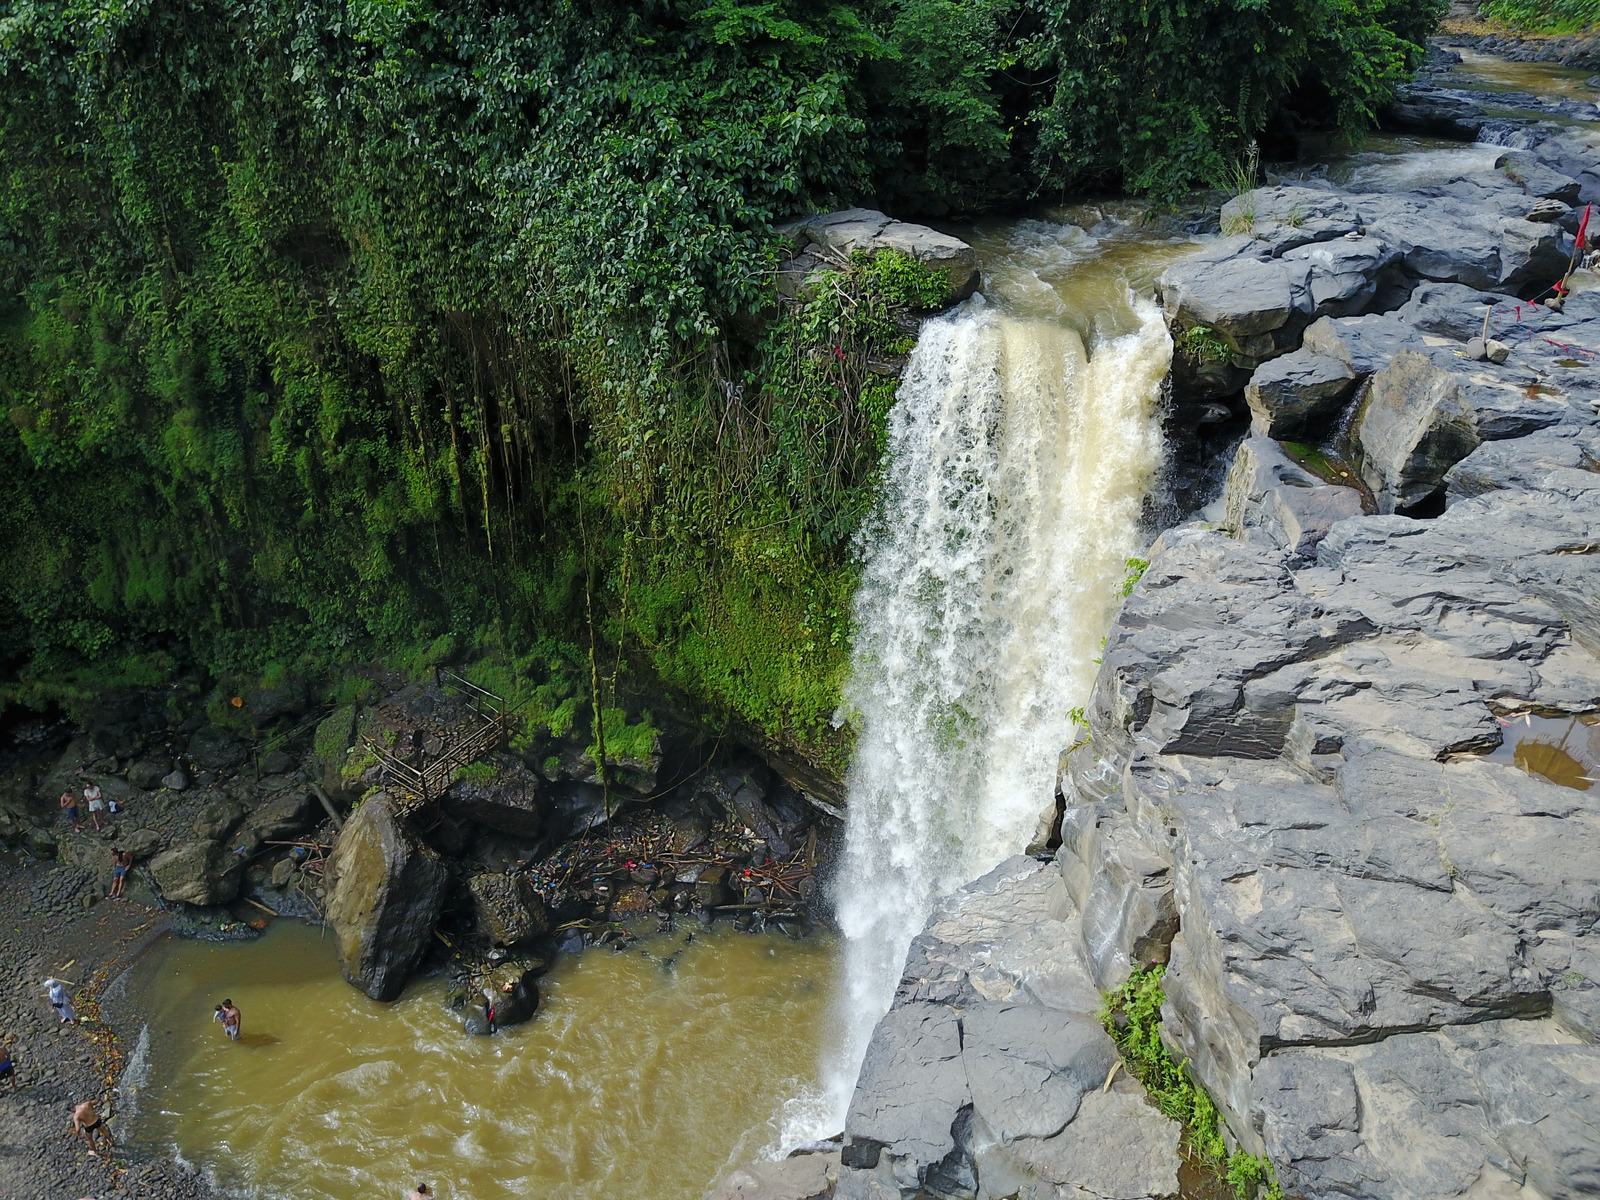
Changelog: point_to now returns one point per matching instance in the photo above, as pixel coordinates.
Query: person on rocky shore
(87, 1123)
(69, 806)
(121, 860)
(96, 801)
(60, 1001)
(8, 1067)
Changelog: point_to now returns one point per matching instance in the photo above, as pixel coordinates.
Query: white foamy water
(1017, 468)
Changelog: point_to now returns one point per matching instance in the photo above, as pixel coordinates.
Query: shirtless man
(87, 1123)
(423, 1192)
(231, 1020)
(69, 805)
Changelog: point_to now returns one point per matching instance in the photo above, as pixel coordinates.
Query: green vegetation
(1202, 344)
(1132, 1016)
(1545, 16)
(1136, 568)
(481, 773)
(447, 330)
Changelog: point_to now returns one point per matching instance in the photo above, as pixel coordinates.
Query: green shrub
(1545, 16)
(1132, 1016)
(1202, 344)
(1136, 568)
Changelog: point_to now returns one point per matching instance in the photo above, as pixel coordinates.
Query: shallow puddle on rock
(1564, 750)
(637, 1078)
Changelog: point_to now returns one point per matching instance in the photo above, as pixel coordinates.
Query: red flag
(1583, 225)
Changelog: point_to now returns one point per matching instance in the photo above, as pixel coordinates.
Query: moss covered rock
(387, 889)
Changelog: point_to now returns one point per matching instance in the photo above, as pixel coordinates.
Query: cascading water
(1017, 467)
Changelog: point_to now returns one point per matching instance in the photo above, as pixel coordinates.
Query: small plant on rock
(1252, 1175)
(1201, 344)
(1132, 1016)
(1136, 569)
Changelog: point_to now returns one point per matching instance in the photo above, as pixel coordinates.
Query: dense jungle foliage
(350, 327)
(1546, 16)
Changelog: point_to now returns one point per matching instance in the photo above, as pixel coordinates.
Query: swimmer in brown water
(90, 1126)
(230, 1018)
(422, 1192)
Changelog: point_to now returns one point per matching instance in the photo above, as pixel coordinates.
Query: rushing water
(1021, 449)
(637, 1078)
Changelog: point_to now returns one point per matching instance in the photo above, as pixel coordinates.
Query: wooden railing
(419, 784)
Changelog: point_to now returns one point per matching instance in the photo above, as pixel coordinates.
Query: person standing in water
(86, 1123)
(230, 1018)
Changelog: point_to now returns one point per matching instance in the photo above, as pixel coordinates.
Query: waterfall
(1016, 471)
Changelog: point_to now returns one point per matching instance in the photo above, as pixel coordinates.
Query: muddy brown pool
(638, 1077)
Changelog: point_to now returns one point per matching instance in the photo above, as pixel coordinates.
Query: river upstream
(1025, 449)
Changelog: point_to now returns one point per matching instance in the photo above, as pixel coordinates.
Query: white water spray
(1016, 472)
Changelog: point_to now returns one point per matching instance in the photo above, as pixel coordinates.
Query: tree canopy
(341, 324)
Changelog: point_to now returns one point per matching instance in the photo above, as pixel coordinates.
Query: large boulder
(217, 749)
(141, 843)
(840, 234)
(1298, 395)
(1537, 179)
(1414, 426)
(514, 993)
(798, 1177)
(198, 873)
(1270, 495)
(282, 816)
(147, 772)
(1457, 240)
(217, 818)
(509, 800)
(387, 890)
(509, 910)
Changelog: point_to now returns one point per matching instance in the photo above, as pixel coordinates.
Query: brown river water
(637, 1077)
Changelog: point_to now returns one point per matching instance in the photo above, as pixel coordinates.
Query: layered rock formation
(1378, 924)
(825, 242)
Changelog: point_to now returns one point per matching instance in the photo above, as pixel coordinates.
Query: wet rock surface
(991, 1073)
(387, 891)
(826, 241)
(1378, 926)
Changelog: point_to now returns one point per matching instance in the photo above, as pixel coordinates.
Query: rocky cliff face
(1317, 784)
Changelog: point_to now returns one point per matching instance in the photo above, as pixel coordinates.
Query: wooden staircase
(415, 785)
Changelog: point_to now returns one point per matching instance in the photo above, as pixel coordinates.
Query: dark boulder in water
(386, 892)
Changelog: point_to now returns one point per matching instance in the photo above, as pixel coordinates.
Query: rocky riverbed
(55, 928)
(238, 804)
(1377, 929)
